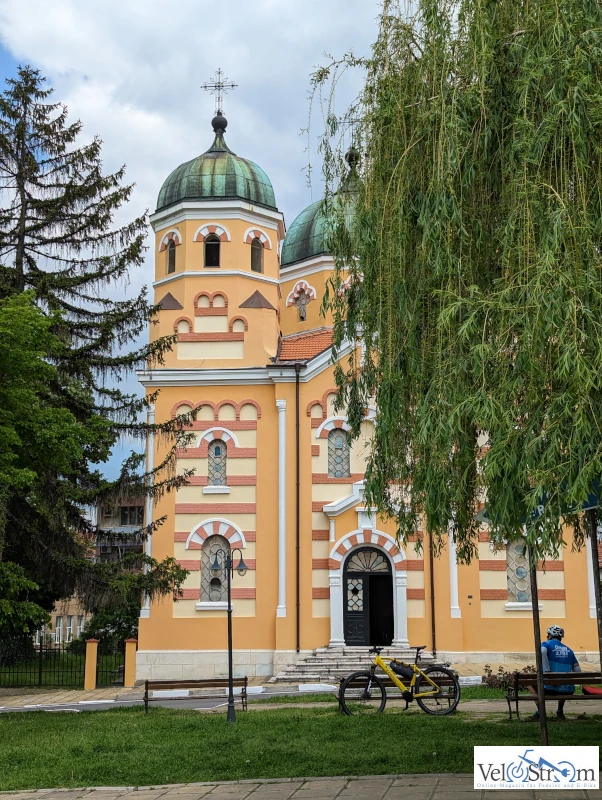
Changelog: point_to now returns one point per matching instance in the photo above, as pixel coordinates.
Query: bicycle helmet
(555, 631)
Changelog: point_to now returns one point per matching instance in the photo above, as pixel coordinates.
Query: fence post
(91, 664)
(129, 670)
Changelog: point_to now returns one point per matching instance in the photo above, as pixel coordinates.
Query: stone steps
(330, 664)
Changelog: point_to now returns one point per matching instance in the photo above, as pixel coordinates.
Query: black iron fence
(110, 666)
(23, 662)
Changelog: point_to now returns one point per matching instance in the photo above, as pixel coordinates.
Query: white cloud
(131, 70)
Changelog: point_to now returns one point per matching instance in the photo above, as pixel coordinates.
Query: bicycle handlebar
(376, 650)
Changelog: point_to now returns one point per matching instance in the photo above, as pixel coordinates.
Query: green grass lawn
(125, 747)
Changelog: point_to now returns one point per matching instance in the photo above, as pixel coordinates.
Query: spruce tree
(59, 242)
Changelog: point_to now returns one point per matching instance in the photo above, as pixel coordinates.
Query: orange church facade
(273, 473)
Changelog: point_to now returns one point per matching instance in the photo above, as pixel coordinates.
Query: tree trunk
(541, 703)
(593, 543)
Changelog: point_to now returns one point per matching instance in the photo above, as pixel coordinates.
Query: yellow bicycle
(435, 689)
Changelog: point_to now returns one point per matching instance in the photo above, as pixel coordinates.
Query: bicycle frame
(381, 662)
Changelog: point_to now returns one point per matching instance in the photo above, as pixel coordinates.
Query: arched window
(338, 454)
(171, 257)
(217, 463)
(212, 243)
(213, 587)
(517, 572)
(256, 256)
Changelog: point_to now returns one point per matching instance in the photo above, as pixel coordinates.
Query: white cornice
(347, 502)
(217, 273)
(245, 376)
(226, 209)
(309, 267)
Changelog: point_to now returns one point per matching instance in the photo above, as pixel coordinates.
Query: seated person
(557, 657)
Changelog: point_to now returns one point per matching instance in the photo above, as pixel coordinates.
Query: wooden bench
(522, 680)
(206, 683)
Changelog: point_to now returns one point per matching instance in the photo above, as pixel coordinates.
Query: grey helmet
(556, 631)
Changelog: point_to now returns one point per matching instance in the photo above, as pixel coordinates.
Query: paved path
(78, 699)
(391, 787)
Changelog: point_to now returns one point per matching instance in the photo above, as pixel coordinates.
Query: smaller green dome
(218, 174)
(307, 237)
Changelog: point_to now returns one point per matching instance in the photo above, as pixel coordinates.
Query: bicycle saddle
(419, 648)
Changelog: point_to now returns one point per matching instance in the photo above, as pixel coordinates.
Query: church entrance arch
(368, 598)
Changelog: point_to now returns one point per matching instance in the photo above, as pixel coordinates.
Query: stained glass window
(338, 454)
(214, 588)
(368, 560)
(517, 573)
(217, 456)
(355, 594)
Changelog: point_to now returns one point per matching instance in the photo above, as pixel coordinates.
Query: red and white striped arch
(298, 289)
(331, 424)
(375, 538)
(216, 527)
(255, 233)
(218, 433)
(218, 230)
(171, 236)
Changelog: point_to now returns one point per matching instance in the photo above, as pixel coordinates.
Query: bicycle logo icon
(529, 768)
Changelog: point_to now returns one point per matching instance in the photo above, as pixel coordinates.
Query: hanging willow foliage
(475, 264)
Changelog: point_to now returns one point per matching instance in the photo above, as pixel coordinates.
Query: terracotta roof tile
(304, 346)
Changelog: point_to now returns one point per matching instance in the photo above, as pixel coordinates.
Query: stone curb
(256, 781)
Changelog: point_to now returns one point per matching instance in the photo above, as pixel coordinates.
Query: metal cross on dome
(349, 122)
(218, 86)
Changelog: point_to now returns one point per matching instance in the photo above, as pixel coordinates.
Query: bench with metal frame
(205, 683)
(522, 680)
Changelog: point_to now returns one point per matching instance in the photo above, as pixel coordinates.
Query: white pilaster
(456, 612)
(332, 528)
(590, 581)
(281, 609)
(150, 465)
(337, 634)
(400, 599)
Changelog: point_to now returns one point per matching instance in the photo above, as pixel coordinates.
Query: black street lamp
(217, 569)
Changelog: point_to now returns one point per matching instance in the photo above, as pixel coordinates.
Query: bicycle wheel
(446, 698)
(363, 693)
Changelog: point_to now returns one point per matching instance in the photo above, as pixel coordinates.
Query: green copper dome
(218, 174)
(308, 235)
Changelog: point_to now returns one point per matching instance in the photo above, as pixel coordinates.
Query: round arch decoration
(171, 236)
(375, 538)
(255, 233)
(301, 287)
(218, 230)
(331, 424)
(218, 433)
(217, 526)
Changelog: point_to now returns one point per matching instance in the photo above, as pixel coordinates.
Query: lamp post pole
(231, 710)
(217, 570)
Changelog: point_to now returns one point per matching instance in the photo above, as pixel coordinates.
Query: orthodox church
(275, 479)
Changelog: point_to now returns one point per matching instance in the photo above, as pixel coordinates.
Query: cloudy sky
(131, 70)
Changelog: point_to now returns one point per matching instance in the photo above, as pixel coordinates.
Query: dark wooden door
(368, 619)
(357, 612)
